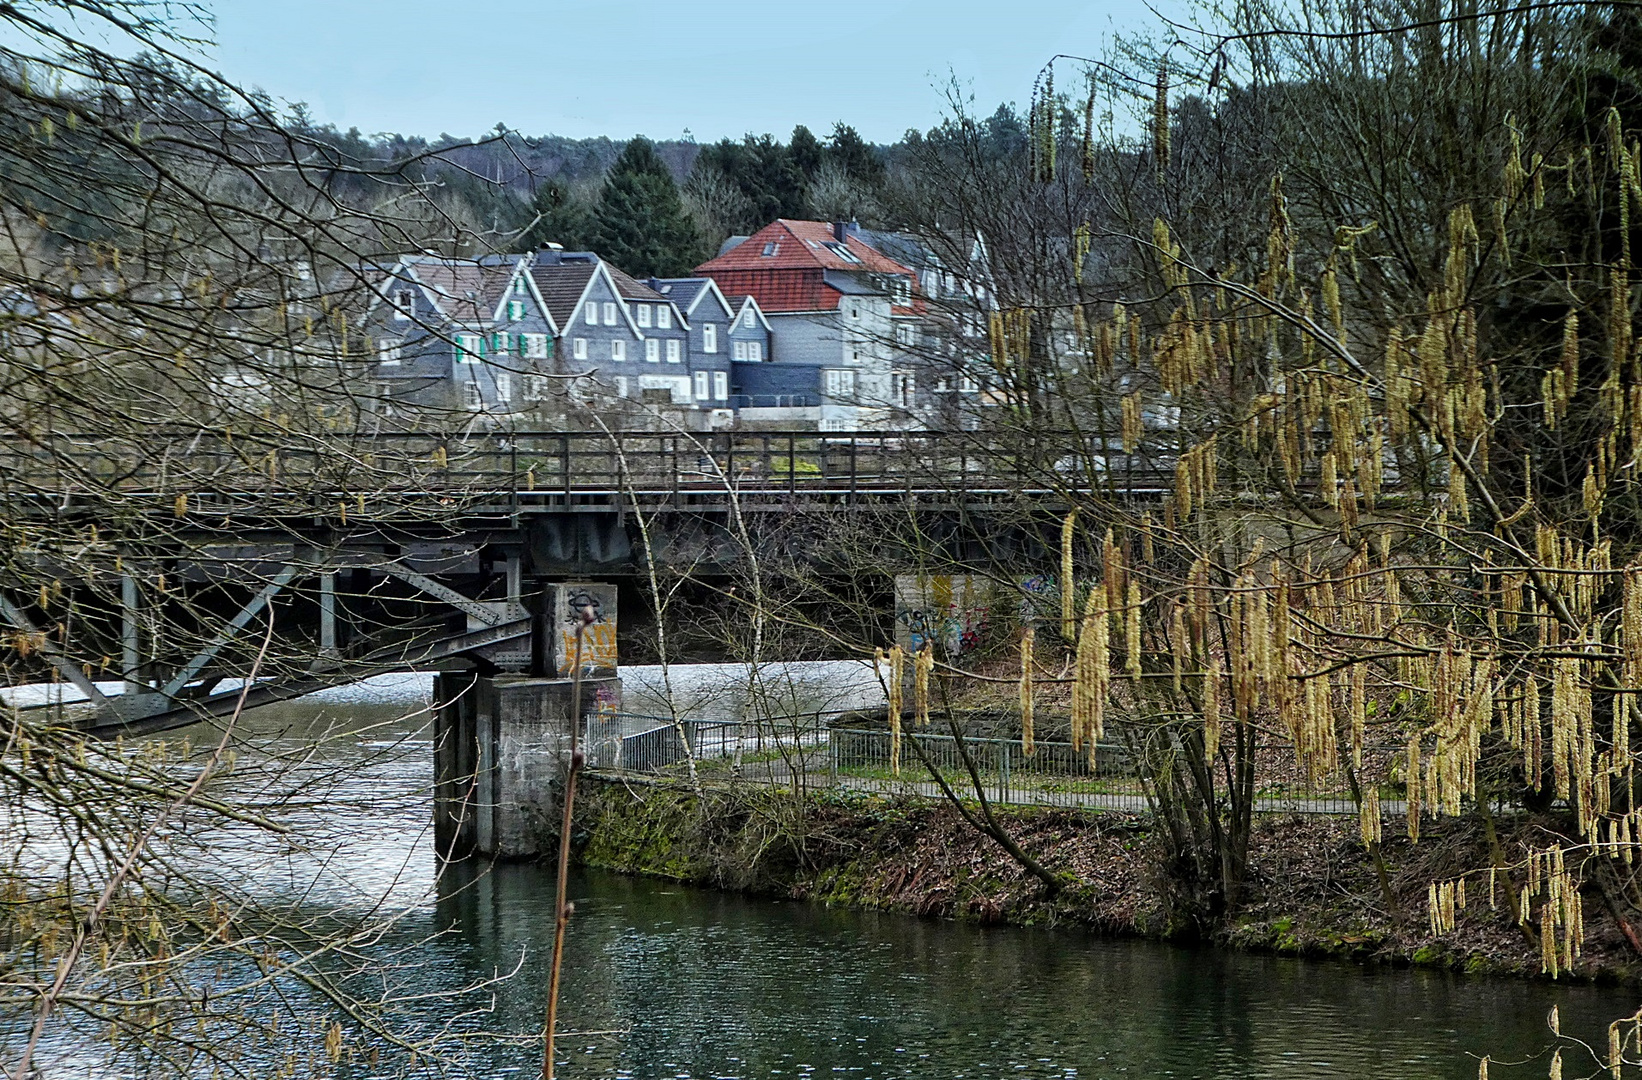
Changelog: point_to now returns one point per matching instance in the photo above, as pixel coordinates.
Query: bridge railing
(225, 468)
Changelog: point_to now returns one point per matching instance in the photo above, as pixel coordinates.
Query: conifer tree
(560, 218)
(641, 223)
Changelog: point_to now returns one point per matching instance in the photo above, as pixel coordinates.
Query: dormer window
(664, 317)
(749, 320)
(404, 304)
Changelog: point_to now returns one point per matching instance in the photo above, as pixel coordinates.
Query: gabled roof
(465, 291)
(562, 285)
(630, 288)
(785, 244)
(739, 304)
(688, 293)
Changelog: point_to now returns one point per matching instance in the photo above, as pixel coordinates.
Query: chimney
(840, 230)
(550, 254)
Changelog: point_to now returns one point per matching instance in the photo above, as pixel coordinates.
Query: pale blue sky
(717, 67)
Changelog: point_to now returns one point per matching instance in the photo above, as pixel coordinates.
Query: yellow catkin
(922, 665)
(1028, 742)
(1369, 817)
(1413, 785)
(1131, 631)
(897, 681)
(181, 507)
(1068, 589)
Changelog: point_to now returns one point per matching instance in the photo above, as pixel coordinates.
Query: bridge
(370, 553)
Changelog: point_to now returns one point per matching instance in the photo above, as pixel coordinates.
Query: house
(457, 337)
(725, 331)
(832, 303)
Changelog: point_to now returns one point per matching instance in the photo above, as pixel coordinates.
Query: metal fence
(809, 751)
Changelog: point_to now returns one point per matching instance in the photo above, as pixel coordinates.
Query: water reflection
(707, 985)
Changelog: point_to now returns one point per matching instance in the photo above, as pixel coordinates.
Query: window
(900, 291)
(738, 350)
(652, 351)
(643, 312)
(843, 252)
(535, 346)
(520, 288)
(840, 383)
(701, 385)
(592, 314)
(499, 341)
(535, 387)
(854, 357)
(855, 311)
(387, 352)
(709, 338)
(835, 423)
(943, 384)
(903, 388)
(621, 386)
(578, 348)
(969, 384)
(673, 351)
(721, 385)
(404, 304)
(755, 350)
(609, 313)
(905, 335)
(469, 347)
(515, 310)
(472, 396)
(771, 248)
(664, 317)
(504, 386)
(618, 350)
(749, 319)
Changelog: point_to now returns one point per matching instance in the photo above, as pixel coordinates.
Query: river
(665, 981)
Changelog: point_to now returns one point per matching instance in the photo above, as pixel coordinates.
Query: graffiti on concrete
(949, 614)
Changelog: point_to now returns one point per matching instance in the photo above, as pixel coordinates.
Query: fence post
(832, 757)
(1003, 776)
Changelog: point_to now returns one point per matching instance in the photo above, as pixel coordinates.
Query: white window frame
(664, 317)
(515, 310)
(535, 387)
(750, 319)
(839, 383)
(701, 385)
(504, 386)
(738, 350)
(618, 350)
(855, 311)
(472, 396)
(674, 352)
(404, 304)
(578, 348)
(721, 386)
(469, 348)
(536, 346)
(591, 314)
(388, 352)
(709, 338)
(969, 384)
(755, 351)
(499, 341)
(609, 313)
(621, 386)
(643, 312)
(652, 351)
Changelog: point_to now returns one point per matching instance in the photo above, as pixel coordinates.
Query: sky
(716, 68)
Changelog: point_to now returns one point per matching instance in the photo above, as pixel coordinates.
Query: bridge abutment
(502, 742)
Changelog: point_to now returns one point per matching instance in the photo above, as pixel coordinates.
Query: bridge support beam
(501, 748)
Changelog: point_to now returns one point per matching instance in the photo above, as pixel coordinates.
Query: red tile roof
(791, 277)
(795, 245)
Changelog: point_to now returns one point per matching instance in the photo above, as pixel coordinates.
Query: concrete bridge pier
(502, 742)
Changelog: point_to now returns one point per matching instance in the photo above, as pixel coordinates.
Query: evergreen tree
(855, 155)
(806, 152)
(765, 173)
(641, 224)
(561, 218)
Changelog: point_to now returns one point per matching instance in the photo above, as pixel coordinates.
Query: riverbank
(1312, 889)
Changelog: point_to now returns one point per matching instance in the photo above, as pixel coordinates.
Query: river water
(664, 981)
